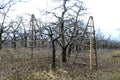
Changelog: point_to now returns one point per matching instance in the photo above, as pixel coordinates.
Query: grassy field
(17, 65)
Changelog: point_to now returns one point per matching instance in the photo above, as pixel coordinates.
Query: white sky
(106, 13)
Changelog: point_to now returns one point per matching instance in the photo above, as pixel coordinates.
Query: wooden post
(91, 25)
(32, 25)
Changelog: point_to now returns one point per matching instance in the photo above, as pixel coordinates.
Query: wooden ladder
(32, 42)
(87, 46)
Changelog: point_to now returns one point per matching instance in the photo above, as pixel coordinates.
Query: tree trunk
(25, 41)
(62, 32)
(53, 56)
(63, 54)
(14, 44)
(63, 43)
(70, 50)
(14, 41)
(0, 41)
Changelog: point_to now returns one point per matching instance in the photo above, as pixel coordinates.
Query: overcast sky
(106, 13)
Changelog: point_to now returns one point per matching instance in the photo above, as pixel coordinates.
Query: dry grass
(17, 65)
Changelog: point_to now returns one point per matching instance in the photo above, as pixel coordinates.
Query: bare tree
(71, 11)
(52, 33)
(23, 32)
(4, 10)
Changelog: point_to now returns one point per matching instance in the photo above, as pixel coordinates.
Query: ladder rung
(35, 41)
(80, 63)
(90, 26)
(86, 51)
(82, 57)
(89, 32)
(86, 45)
(31, 46)
(85, 57)
(88, 39)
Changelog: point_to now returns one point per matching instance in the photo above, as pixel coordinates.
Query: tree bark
(0, 41)
(62, 32)
(14, 44)
(53, 55)
(25, 41)
(63, 54)
(70, 50)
